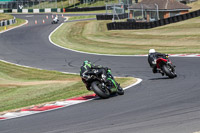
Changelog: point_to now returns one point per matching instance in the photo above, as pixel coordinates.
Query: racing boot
(154, 70)
(162, 72)
(88, 87)
(120, 90)
(175, 74)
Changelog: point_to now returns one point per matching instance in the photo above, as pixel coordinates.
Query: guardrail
(7, 22)
(131, 24)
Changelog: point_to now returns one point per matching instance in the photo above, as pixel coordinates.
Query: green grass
(85, 12)
(22, 87)
(5, 16)
(98, 3)
(81, 17)
(48, 4)
(93, 36)
(18, 22)
(194, 5)
(67, 3)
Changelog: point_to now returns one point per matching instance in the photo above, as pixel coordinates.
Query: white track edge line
(77, 50)
(137, 82)
(103, 54)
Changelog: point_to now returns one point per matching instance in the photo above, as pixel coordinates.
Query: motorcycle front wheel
(98, 90)
(168, 71)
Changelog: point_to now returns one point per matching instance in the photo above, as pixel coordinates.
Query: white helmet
(151, 51)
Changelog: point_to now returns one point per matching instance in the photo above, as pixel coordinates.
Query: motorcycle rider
(56, 19)
(87, 67)
(152, 57)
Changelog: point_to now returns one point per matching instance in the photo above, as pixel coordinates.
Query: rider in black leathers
(152, 57)
(86, 67)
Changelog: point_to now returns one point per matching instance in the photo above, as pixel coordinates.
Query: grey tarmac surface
(157, 105)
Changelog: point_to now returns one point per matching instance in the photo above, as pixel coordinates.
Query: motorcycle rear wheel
(98, 90)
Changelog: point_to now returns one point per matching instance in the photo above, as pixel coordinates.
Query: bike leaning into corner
(100, 80)
(55, 20)
(161, 63)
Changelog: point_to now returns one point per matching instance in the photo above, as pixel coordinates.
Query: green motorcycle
(104, 89)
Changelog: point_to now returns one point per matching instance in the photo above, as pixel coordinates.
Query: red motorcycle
(165, 67)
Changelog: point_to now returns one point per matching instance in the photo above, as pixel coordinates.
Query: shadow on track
(111, 96)
(162, 78)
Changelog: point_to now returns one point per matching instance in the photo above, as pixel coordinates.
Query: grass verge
(68, 3)
(194, 5)
(81, 17)
(18, 22)
(93, 36)
(5, 16)
(22, 87)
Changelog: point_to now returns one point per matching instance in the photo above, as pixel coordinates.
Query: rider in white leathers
(56, 19)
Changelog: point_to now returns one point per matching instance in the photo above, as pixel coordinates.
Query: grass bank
(194, 5)
(22, 87)
(86, 12)
(81, 17)
(68, 3)
(6, 17)
(93, 36)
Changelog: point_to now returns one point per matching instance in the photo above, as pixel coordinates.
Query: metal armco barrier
(131, 24)
(7, 22)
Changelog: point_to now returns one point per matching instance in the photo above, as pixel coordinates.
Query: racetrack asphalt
(157, 105)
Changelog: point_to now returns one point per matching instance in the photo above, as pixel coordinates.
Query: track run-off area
(156, 105)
